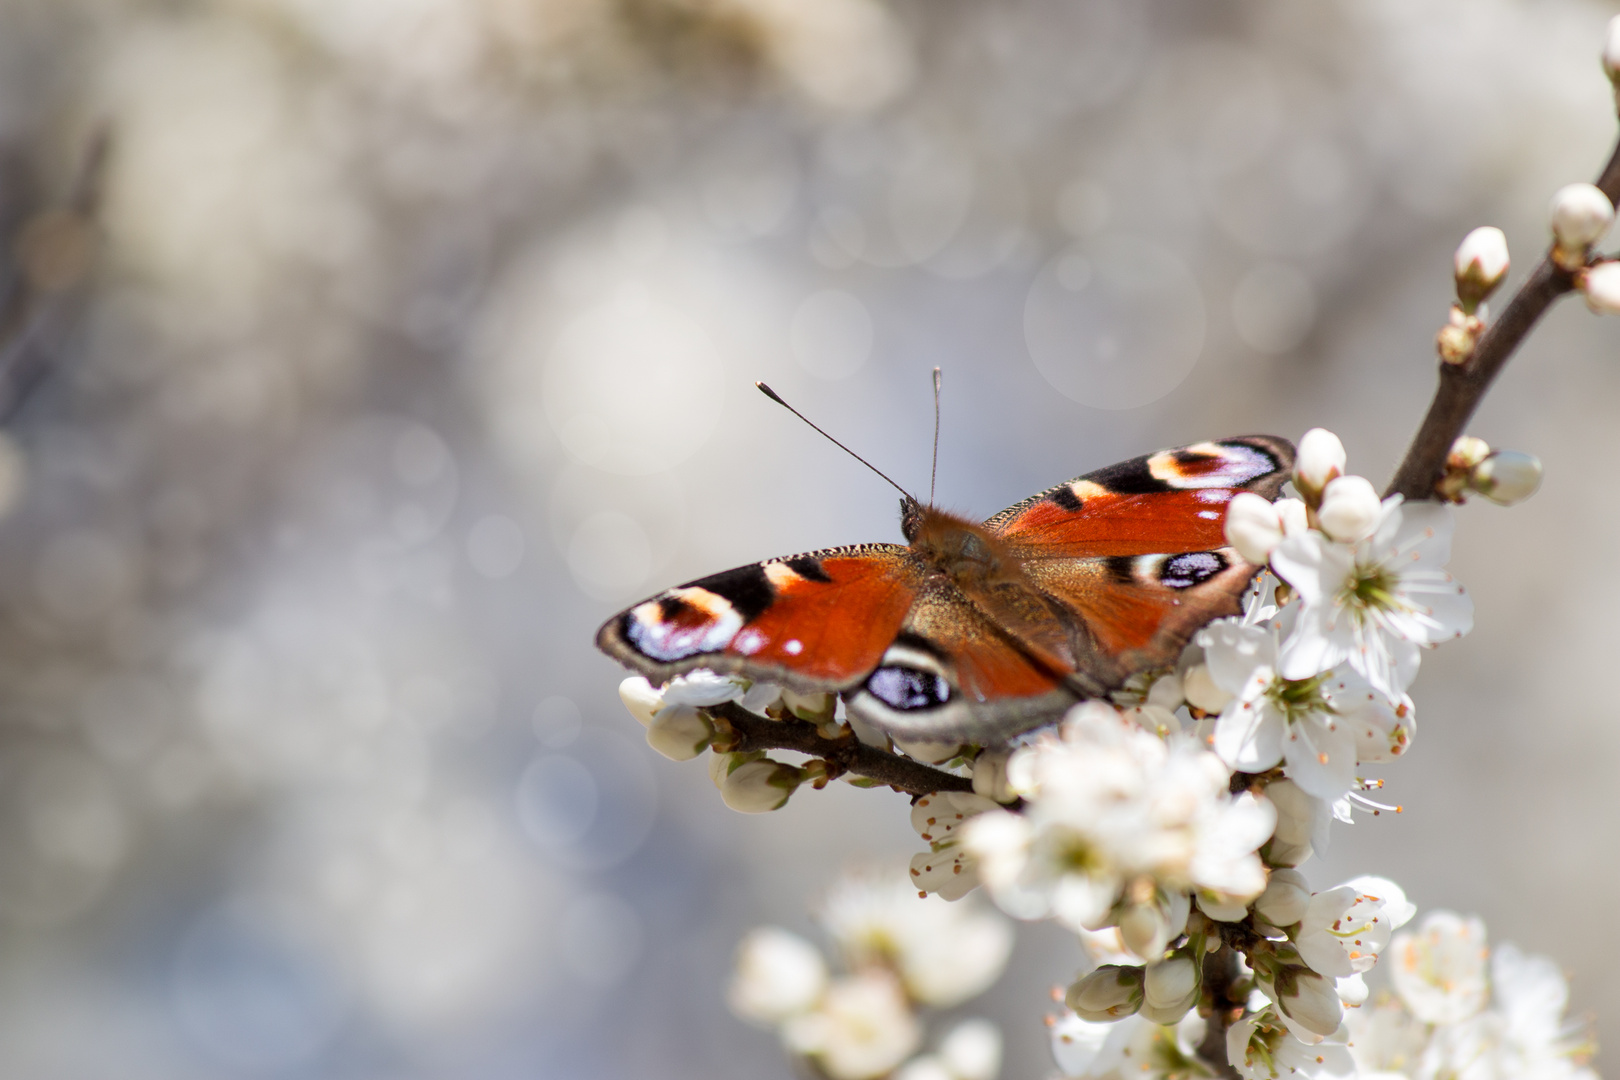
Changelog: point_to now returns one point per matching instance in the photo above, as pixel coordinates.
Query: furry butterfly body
(976, 631)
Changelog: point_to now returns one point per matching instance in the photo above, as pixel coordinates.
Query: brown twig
(1221, 975)
(845, 754)
(1463, 386)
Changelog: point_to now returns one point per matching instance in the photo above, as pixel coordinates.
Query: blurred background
(359, 357)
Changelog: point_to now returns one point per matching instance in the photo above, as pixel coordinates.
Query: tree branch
(1463, 386)
(844, 754)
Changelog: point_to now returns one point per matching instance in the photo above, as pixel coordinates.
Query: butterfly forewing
(818, 621)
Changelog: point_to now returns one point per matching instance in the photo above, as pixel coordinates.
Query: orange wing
(1172, 501)
(815, 622)
(1135, 553)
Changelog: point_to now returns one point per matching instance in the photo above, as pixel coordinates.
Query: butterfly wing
(814, 622)
(1135, 553)
(953, 675)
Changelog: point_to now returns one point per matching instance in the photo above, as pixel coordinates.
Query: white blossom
(1373, 604)
(1320, 725)
(947, 867)
(1344, 928)
(1349, 510)
(1320, 458)
(778, 975)
(679, 732)
(944, 953)
(1439, 969)
(1580, 215)
(1386, 1039)
(1262, 1047)
(862, 1028)
(972, 1050)
(1111, 805)
(1129, 1049)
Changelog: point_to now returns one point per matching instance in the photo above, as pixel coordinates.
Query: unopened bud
(679, 732)
(1349, 509)
(816, 707)
(1580, 215)
(1481, 262)
(1507, 477)
(1308, 999)
(1456, 340)
(990, 775)
(1285, 899)
(1321, 458)
(1600, 284)
(1253, 527)
(641, 699)
(753, 783)
(1467, 452)
(1170, 988)
(1112, 992)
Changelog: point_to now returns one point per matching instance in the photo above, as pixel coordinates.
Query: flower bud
(928, 751)
(1253, 526)
(1147, 927)
(1301, 825)
(1349, 510)
(1580, 214)
(815, 708)
(1507, 477)
(1481, 263)
(972, 1050)
(1112, 992)
(641, 699)
(1309, 1000)
(753, 783)
(778, 975)
(1285, 899)
(1467, 452)
(1600, 285)
(1321, 458)
(1170, 988)
(990, 775)
(1294, 516)
(679, 732)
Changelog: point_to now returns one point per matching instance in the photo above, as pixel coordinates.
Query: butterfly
(978, 631)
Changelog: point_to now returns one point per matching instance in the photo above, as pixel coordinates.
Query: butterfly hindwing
(953, 675)
(819, 621)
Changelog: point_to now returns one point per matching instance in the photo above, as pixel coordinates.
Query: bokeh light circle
(1114, 323)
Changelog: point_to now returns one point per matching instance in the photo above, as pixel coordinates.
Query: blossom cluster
(900, 954)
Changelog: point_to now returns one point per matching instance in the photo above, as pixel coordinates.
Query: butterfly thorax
(964, 551)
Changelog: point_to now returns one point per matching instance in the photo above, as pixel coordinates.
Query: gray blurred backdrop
(360, 356)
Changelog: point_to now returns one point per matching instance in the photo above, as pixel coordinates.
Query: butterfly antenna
(933, 472)
(772, 394)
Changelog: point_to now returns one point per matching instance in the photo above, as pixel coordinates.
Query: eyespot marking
(683, 622)
(907, 689)
(1189, 569)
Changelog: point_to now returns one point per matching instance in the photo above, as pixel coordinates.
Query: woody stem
(844, 754)
(1463, 386)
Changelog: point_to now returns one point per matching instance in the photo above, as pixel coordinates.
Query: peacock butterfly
(979, 631)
